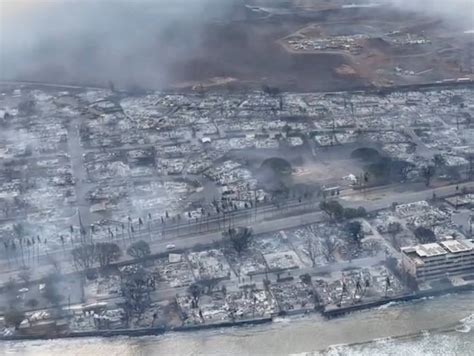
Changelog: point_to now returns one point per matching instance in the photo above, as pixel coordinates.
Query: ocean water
(438, 326)
(429, 344)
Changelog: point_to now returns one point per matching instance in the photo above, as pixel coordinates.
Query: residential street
(372, 201)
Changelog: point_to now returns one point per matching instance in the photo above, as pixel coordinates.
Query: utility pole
(333, 139)
(82, 229)
(471, 220)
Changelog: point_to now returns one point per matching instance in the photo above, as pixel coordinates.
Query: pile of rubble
(210, 264)
(294, 296)
(358, 286)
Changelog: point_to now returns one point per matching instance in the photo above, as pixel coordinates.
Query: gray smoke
(147, 43)
(456, 12)
(96, 41)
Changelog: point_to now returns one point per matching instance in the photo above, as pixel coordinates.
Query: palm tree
(387, 285)
(140, 223)
(38, 241)
(358, 288)
(13, 248)
(28, 250)
(428, 173)
(19, 231)
(71, 230)
(7, 247)
(470, 158)
(92, 231)
(149, 225)
(438, 160)
(344, 291)
(177, 225)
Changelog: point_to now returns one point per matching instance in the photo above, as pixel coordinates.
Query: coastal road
(48, 85)
(372, 201)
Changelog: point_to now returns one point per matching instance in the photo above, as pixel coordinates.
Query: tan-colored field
(384, 53)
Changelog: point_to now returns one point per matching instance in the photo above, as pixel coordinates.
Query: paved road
(81, 187)
(372, 201)
(47, 85)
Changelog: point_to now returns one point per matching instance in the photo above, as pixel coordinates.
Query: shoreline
(449, 329)
(251, 322)
(368, 89)
(403, 298)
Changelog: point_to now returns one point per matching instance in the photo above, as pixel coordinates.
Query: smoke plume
(97, 41)
(456, 12)
(131, 42)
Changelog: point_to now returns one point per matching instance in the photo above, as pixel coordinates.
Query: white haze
(134, 42)
(96, 41)
(457, 12)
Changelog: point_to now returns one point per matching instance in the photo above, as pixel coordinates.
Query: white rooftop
(455, 246)
(430, 250)
(441, 248)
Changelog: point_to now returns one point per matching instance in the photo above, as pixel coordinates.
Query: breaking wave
(436, 342)
(466, 324)
(388, 305)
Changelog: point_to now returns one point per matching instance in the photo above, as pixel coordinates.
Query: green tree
(51, 292)
(136, 287)
(209, 283)
(333, 208)
(107, 252)
(425, 235)
(272, 91)
(19, 230)
(470, 173)
(351, 213)
(195, 290)
(25, 275)
(139, 250)
(355, 230)
(399, 170)
(427, 173)
(240, 238)
(306, 279)
(13, 318)
(278, 166)
(366, 154)
(84, 256)
(11, 291)
(394, 228)
(32, 303)
(439, 161)
(329, 245)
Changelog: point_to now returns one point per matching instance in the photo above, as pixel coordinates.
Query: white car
(170, 246)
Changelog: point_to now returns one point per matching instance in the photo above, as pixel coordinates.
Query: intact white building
(437, 260)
